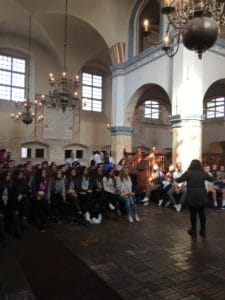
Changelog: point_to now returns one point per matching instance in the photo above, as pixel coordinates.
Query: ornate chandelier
(64, 91)
(194, 22)
(27, 115)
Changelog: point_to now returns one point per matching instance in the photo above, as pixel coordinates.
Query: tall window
(12, 78)
(215, 108)
(92, 89)
(151, 109)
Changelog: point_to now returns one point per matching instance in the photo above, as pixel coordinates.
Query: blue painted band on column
(121, 130)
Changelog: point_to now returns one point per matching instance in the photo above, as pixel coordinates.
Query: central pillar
(187, 138)
(121, 139)
(187, 107)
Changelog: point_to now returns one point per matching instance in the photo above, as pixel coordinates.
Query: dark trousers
(41, 212)
(73, 204)
(24, 208)
(2, 226)
(85, 202)
(101, 201)
(12, 221)
(200, 211)
(113, 199)
(57, 206)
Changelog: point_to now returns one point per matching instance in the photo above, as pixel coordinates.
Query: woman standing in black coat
(196, 197)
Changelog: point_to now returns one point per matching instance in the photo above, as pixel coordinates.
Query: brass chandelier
(194, 22)
(64, 91)
(29, 108)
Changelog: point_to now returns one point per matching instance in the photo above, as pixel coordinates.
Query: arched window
(151, 13)
(12, 78)
(215, 108)
(151, 109)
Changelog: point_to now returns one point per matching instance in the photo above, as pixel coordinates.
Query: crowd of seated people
(162, 190)
(42, 194)
(46, 193)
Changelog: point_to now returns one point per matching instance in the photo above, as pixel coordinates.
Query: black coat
(196, 191)
(12, 201)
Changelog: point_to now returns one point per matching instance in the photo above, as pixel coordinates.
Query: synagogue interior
(89, 83)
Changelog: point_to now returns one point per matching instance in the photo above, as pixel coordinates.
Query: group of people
(47, 193)
(195, 188)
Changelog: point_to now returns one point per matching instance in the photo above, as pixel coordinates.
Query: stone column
(187, 138)
(187, 107)
(121, 139)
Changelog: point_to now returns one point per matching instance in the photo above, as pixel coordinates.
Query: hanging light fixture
(27, 115)
(194, 22)
(64, 91)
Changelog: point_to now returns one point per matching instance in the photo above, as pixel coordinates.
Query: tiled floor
(152, 259)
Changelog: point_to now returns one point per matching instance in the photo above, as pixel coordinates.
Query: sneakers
(130, 219)
(144, 200)
(112, 207)
(223, 207)
(94, 221)
(137, 218)
(178, 207)
(97, 220)
(160, 202)
(100, 218)
(87, 216)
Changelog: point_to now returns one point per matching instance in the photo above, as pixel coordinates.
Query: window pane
(17, 94)
(19, 65)
(5, 62)
(18, 80)
(97, 93)
(219, 112)
(147, 113)
(87, 79)
(155, 114)
(97, 80)
(210, 114)
(86, 104)
(5, 92)
(86, 91)
(97, 106)
(211, 104)
(5, 77)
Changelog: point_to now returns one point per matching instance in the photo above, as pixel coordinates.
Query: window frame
(12, 73)
(151, 107)
(212, 111)
(90, 101)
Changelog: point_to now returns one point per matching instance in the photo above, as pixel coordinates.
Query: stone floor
(151, 259)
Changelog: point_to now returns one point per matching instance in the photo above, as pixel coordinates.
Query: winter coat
(196, 191)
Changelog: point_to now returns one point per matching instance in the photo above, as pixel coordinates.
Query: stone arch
(133, 38)
(215, 90)
(147, 91)
(213, 129)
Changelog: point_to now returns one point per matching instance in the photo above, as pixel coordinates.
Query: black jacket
(196, 191)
